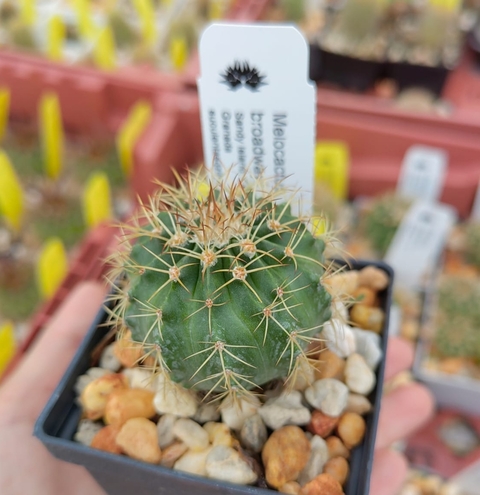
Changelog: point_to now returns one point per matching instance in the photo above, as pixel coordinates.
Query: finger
(402, 412)
(399, 356)
(389, 472)
(26, 391)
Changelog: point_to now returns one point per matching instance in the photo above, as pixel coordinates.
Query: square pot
(118, 475)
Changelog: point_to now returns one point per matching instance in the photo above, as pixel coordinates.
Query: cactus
(223, 285)
(383, 219)
(458, 318)
(472, 241)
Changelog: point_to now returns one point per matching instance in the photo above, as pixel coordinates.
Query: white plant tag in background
(475, 215)
(419, 241)
(257, 106)
(423, 173)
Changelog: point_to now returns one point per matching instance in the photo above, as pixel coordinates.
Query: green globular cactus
(458, 318)
(383, 219)
(225, 288)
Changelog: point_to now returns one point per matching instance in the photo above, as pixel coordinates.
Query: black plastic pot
(419, 76)
(346, 72)
(121, 475)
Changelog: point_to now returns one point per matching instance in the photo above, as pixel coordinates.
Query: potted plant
(224, 295)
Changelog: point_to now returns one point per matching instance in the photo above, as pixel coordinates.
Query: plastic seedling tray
(121, 475)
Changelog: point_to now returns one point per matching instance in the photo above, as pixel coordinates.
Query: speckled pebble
(287, 409)
(225, 463)
(318, 457)
(254, 433)
(328, 395)
(368, 346)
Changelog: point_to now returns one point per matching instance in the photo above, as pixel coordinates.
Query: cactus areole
(223, 284)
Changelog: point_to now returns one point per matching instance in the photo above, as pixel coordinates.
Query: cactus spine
(223, 288)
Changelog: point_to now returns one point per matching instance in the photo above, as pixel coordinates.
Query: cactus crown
(223, 284)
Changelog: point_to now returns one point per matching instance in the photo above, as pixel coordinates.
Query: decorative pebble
(290, 488)
(285, 455)
(318, 457)
(338, 468)
(219, 434)
(207, 412)
(95, 395)
(165, 430)
(321, 424)
(342, 283)
(367, 318)
(339, 310)
(105, 440)
(123, 405)
(339, 337)
(129, 353)
(108, 360)
(328, 395)
(172, 453)
(283, 410)
(141, 378)
(358, 376)
(225, 463)
(358, 404)
(88, 377)
(86, 430)
(337, 448)
(323, 484)
(373, 277)
(351, 429)
(368, 345)
(174, 399)
(329, 365)
(138, 439)
(254, 433)
(193, 462)
(304, 376)
(365, 296)
(191, 434)
(234, 413)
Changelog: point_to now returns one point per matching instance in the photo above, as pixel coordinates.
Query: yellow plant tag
(96, 200)
(216, 9)
(56, 38)
(51, 133)
(86, 26)
(8, 345)
(128, 135)
(332, 167)
(104, 52)
(4, 111)
(178, 52)
(28, 11)
(146, 13)
(52, 267)
(12, 202)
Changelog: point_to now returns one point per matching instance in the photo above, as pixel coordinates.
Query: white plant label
(475, 215)
(419, 241)
(257, 106)
(423, 173)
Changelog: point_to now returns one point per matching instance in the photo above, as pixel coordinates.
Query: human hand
(403, 411)
(26, 467)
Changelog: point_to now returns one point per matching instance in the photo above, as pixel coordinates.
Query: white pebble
(287, 409)
(235, 412)
(339, 310)
(193, 462)
(318, 457)
(207, 412)
(140, 378)
(108, 360)
(254, 433)
(165, 430)
(191, 434)
(174, 399)
(87, 429)
(358, 376)
(224, 463)
(339, 337)
(368, 346)
(328, 395)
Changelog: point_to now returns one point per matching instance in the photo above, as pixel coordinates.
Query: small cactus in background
(458, 318)
(223, 285)
(472, 243)
(383, 219)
